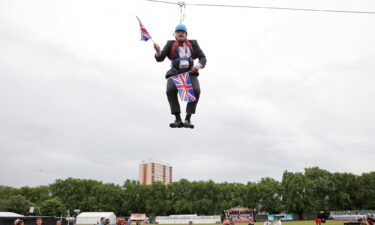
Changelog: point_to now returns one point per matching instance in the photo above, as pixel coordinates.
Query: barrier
(187, 219)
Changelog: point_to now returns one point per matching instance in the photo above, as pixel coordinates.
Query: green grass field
(302, 222)
(307, 222)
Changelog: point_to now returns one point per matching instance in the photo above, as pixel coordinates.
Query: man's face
(180, 35)
(226, 222)
(39, 221)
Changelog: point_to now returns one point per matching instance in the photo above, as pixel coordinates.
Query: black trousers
(172, 95)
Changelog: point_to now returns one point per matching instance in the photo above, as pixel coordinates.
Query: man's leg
(174, 104)
(191, 106)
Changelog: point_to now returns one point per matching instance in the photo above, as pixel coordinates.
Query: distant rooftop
(155, 161)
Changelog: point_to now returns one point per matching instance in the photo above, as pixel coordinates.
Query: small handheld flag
(145, 36)
(184, 87)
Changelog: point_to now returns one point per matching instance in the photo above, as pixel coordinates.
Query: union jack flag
(145, 36)
(184, 87)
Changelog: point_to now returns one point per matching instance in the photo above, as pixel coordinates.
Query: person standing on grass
(370, 219)
(278, 221)
(227, 221)
(318, 221)
(102, 221)
(39, 221)
(19, 222)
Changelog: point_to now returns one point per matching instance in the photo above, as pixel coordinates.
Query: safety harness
(176, 44)
(173, 48)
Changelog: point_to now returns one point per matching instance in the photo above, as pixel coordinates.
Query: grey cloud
(292, 91)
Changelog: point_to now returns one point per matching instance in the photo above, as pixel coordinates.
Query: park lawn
(307, 222)
(300, 222)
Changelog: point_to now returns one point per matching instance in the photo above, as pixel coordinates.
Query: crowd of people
(102, 221)
(370, 219)
(276, 222)
(129, 221)
(226, 221)
(38, 221)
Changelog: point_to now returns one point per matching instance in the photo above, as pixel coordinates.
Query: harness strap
(176, 44)
(179, 59)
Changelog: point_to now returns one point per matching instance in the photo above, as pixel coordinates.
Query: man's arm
(160, 55)
(200, 55)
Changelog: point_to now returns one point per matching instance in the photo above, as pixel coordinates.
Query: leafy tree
(52, 207)
(35, 194)
(2, 205)
(6, 192)
(313, 190)
(134, 196)
(77, 193)
(183, 207)
(17, 203)
(270, 195)
(367, 190)
(345, 192)
(252, 194)
(320, 188)
(296, 193)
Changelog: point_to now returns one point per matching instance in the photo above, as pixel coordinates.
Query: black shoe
(188, 124)
(176, 123)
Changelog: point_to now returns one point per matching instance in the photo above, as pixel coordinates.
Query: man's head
(228, 221)
(18, 222)
(180, 32)
(102, 220)
(58, 222)
(39, 221)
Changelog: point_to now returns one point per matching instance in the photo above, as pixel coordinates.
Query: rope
(182, 4)
(182, 11)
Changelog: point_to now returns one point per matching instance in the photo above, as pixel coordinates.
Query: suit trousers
(173, 98)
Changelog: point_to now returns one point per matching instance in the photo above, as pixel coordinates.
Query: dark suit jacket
(197, 53)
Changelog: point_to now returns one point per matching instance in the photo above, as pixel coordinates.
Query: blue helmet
(181, 27)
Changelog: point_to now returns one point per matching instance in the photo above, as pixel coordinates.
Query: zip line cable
(183, 4)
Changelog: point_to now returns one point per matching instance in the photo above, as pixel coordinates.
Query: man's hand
(194, 70)
(157, 48)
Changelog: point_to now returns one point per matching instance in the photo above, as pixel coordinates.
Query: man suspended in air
(182, 53)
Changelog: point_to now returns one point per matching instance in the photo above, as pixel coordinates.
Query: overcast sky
(81, 96)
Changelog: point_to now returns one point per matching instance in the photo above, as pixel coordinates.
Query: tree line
(313, 190)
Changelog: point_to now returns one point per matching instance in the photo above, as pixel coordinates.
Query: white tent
(9, 214)
(94, 217)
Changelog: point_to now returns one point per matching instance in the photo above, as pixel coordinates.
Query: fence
(187, 219)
